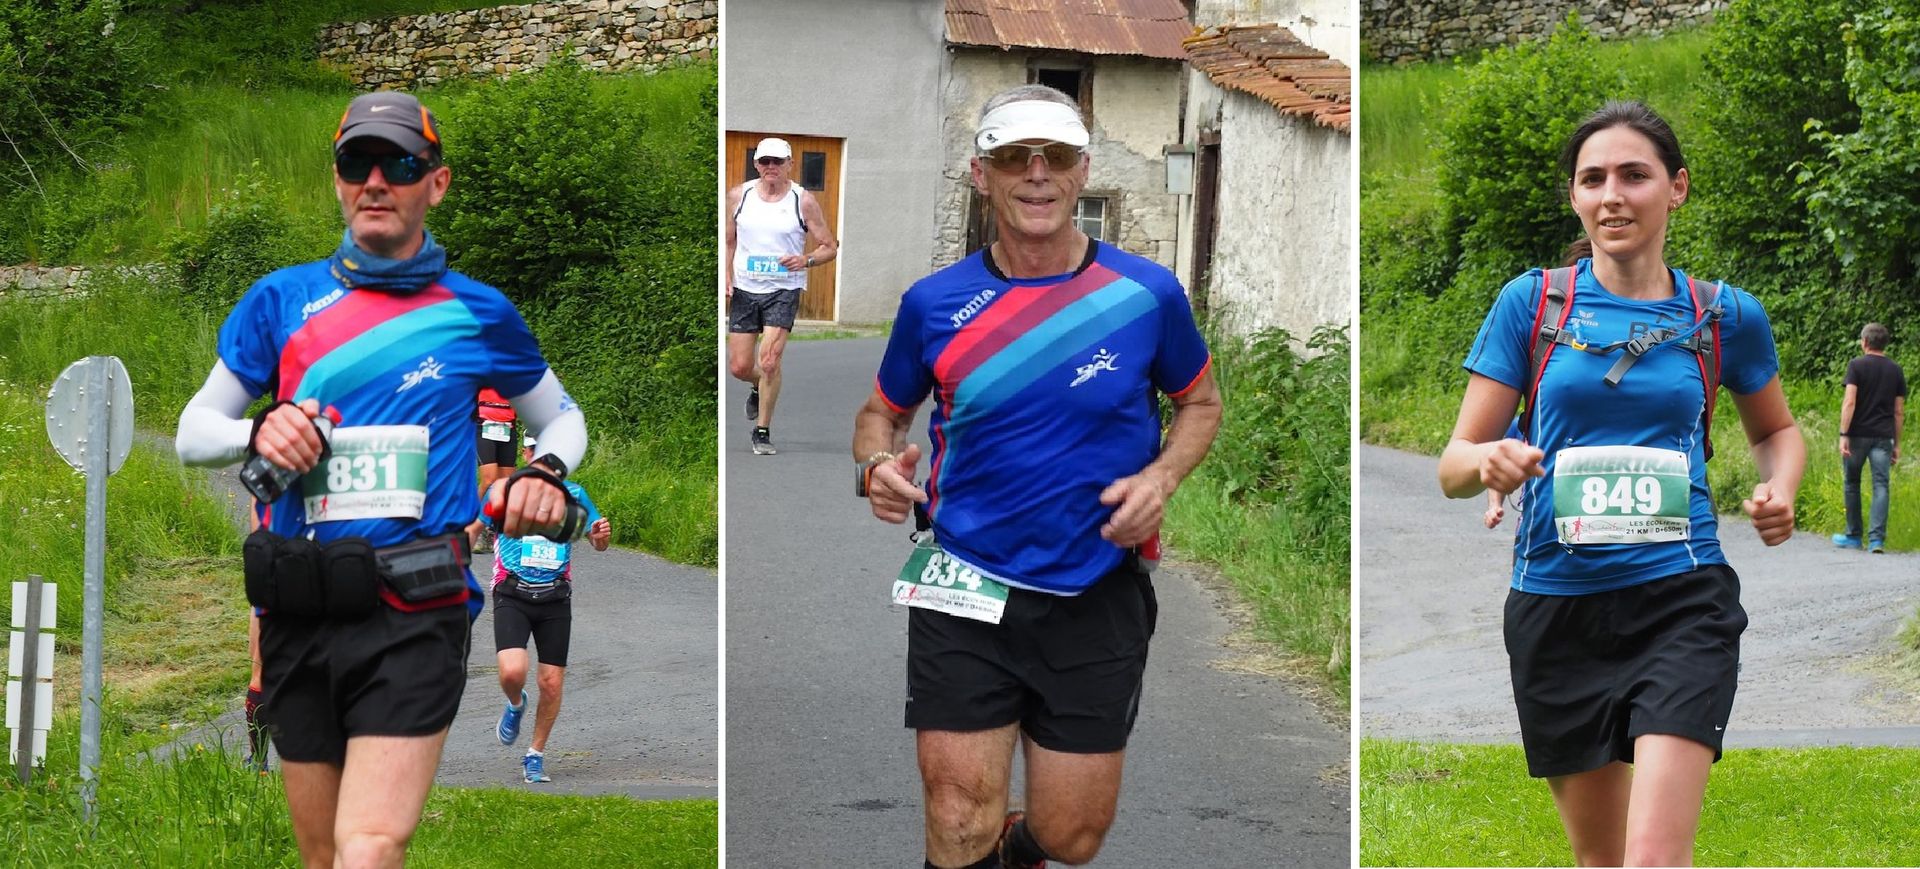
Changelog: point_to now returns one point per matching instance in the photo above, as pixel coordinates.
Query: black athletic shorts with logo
(549, 624)
(500, 453)
(754, 312)
(387, 674)
(1592, 673)
(1067, 669)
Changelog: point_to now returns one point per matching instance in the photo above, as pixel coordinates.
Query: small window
(813, 170)
(1073, 79)
(1090, 214)
(752, 172)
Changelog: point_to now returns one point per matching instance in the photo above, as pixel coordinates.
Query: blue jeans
(1879, 453)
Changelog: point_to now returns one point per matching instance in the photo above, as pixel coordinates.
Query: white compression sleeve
(213, 431)
(557, 423)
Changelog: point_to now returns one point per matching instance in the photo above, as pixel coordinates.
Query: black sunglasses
(398, 169)
(771, 161)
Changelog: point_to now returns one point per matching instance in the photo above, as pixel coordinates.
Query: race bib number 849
(1621, 494)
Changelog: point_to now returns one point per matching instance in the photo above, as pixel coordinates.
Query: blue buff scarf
(354, 267)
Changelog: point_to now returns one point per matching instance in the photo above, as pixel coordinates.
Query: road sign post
(90, 421)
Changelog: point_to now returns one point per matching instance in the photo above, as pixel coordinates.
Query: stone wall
(612, 35)
(1400, 31)
(36, 280)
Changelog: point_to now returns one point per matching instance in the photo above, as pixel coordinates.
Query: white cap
(1031, 119)
(527, 441)
(773, 147)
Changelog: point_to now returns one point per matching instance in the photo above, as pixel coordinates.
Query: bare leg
(513, 673)
(552, 679)
(1070, 800)
(382, 790)
(313, 789)
(1669, 783)
(1593, 809)
(963, 778)
(740, 362)
(772, 347)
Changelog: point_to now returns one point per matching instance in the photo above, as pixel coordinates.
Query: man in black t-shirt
(1870, 418)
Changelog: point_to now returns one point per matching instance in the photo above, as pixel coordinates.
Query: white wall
(868, 71)
(1284, 251)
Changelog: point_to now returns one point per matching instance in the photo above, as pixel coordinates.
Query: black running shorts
(1592, 673)
(549, 624)
(1067, 669)
(754, 312)
(499, 453)
(387, 674)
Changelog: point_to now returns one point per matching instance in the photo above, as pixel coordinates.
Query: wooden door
(816, 166)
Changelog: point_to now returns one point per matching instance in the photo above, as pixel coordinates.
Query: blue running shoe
(509, 729)
(536, 765)
(1876, 546)
(1846, 541)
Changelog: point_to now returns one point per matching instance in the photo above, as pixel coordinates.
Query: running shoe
(1846, 541)
(1006, 861)
(753, 404)
(536, 766)
(763, 442)
(1877, 546)
(509, 729)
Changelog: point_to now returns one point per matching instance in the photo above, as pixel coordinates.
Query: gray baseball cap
(391, 115)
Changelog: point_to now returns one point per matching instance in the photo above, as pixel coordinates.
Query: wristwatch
(809, 260)
(863, 472)
(553, 462)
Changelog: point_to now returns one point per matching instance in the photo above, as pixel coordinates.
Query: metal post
(98, 449)
(29, 679)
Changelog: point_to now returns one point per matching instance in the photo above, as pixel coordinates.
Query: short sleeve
(517, 363)
(580, 494)
(1748, 360)
(1502, 350)
(247, 343)
(1899, 382)
(1182, 355)
(904, 379)
(1853, 373)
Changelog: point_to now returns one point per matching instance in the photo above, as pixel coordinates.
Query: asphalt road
(1226, 768)
(1433, 581)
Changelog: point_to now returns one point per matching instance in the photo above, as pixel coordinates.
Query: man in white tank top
(770, 221)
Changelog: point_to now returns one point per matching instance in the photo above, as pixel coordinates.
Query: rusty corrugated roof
(1149, 28)
(1269, 62)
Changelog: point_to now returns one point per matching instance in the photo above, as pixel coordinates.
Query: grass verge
(1269, 505)
(1426, 804)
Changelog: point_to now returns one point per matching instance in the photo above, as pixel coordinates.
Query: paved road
(641, 711)
(1434, 580)
(1226, 768)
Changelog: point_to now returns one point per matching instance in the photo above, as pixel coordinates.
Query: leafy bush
(248, 234)
(69, 78)
(1863, 191)
(1505, 197)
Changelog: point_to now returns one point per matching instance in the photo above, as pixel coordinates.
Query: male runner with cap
(360, 565)
(769, 223)
(533, 599)
(1030, 611)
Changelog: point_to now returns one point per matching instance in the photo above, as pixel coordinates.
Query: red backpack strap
(1704, 295)
(1556, 302)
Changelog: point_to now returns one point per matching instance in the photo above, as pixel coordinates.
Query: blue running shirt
(537, 559)
(1657, 404)
(1043, 395)
(384, 358)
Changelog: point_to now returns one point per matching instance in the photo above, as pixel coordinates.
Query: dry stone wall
(613, 35)
(1400, 31)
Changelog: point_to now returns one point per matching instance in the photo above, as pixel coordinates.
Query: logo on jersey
(429, 370)
(315, 306)
(966, 313)
(1102, 361)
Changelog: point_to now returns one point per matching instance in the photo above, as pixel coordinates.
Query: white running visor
(1031, 119)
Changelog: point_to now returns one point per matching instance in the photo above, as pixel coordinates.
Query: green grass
(1269, 506)
(200, 808)
(662, 490)
(1473, 805)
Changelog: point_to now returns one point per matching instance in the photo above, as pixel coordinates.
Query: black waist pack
(298, 577)
(421, 570)
(533, 592)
